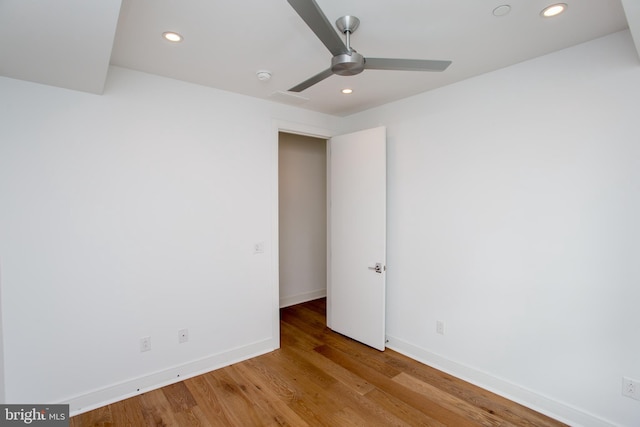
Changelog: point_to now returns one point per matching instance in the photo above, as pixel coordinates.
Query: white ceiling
(70, 43)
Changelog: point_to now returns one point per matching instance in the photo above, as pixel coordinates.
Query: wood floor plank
(156, 410)
(365, 409)
(451, 402)
(278, 385)
(208, 401)
(274, 409)
(303, 397)
(290, 336)
(336, 396)
(382, 381)
(401, 409)
(179, 397)
(238, 409)
(346, 377)
(301, 321)
(318, 378)
(100, 417)
(127, 413)
(348, 417)
(488, 401)
(323, 397)
(194, 417)
(318, 305)
(184, 406)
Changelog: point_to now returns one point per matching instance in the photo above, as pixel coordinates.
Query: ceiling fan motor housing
(347, 64)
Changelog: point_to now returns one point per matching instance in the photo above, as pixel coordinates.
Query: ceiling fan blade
(405, 64)
(310, 12)
(313, 80)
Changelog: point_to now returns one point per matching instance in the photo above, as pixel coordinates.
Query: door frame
(279, 126)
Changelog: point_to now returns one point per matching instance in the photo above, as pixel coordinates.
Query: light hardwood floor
(317, 378)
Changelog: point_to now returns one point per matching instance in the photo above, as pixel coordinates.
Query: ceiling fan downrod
(351, 62)
(347, 25)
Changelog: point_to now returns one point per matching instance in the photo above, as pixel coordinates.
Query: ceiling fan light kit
(346, 61)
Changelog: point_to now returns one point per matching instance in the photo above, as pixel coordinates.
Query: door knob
(377, 268)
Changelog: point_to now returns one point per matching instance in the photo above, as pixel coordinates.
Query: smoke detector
(263, 75)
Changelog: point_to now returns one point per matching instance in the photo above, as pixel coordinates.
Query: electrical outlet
(183, 335)
(440, 327)
(631, 388)
(145, 344)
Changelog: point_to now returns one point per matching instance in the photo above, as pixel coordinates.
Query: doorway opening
(302, 218)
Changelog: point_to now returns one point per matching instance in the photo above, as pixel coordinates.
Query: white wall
(514, 200)
(134, 214)
(2, 394)
(513, 206)
(302, 218)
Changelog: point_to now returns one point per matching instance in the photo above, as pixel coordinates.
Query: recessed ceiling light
(347, 91)
(172, 37)
(502, 10)
(553, 10)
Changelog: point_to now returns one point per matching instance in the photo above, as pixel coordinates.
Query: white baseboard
(300, 298)
(116, 392)
(536, 401)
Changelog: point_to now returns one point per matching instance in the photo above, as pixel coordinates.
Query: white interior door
(357, 236)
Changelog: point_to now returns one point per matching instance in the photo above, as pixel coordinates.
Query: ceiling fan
(346, 61)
